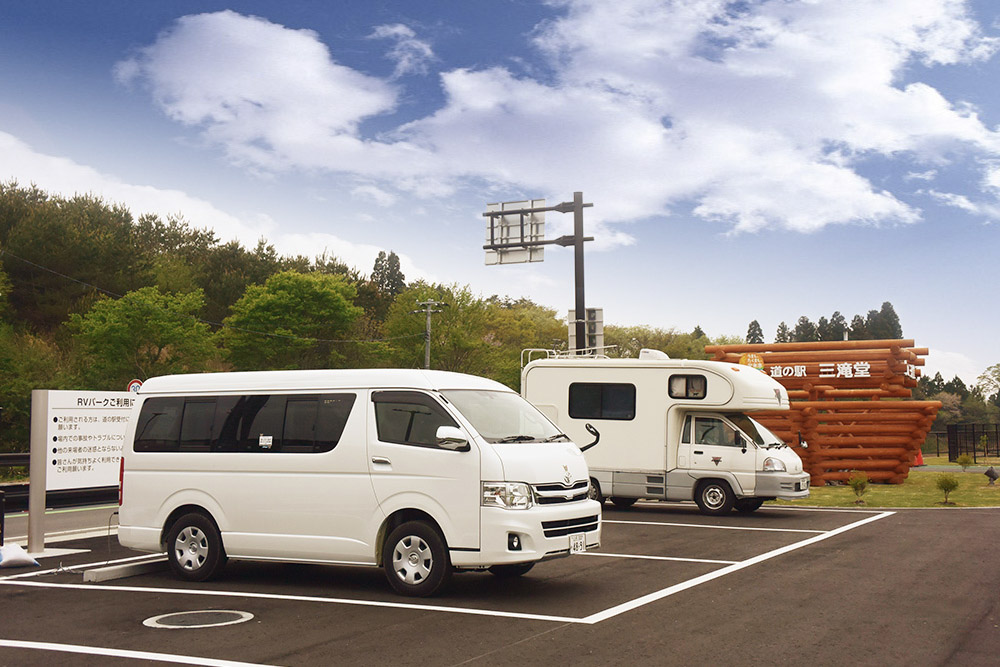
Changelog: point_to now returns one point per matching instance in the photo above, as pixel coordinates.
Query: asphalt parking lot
(782, 585)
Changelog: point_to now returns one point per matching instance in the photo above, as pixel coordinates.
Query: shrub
(947, 483)
(965, 461)
(858, 481)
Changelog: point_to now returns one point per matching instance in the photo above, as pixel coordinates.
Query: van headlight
(508, 495)
(772, 464)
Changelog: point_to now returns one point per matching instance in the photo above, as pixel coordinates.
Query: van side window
(593, 400)
(159, 425)
(409, 418)
(687, 386)
(251, 423)
(196, 425)
(315, 423)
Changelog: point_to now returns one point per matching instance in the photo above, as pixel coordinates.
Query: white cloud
(755, 115)
(412, 55)
(950, 364)
(62, 176)
(988, 210)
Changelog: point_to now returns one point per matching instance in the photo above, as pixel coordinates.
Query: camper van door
(715, 444)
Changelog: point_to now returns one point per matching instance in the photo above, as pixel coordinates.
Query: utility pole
(428, 307)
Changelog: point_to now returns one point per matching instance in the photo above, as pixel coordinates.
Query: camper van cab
(670, 429)
(417, 472)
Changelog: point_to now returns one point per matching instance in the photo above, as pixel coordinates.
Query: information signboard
(85, 431)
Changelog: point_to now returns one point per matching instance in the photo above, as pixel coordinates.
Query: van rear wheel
(714, 497)
(194, 548)
(415, 559)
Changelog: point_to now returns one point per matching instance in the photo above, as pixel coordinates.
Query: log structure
(850, 401)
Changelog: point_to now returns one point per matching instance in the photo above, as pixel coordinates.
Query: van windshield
(754, 429)
(501, 416)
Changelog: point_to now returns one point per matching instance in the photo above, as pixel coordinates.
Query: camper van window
(592, 400)
(712, 431)
(409, 418)
(687, 386)
(686, 432)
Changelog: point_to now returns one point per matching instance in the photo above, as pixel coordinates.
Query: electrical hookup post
(76, 443)
(515, 234)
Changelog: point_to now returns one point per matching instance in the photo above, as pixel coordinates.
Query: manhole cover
(209, 618)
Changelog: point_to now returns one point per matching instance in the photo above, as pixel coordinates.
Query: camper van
(670, 429)
(417, 472)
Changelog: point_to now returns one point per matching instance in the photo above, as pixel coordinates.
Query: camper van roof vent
(646, 353)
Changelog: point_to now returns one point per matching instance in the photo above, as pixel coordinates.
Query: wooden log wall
(850, 401)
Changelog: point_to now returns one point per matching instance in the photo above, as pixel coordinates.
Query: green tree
(291, 321)
(988, 383)
(859, 329)
(947, 483)
(754, 333)
(628, 341)
(838, 326)
(957, 386)
(27, 362)
(805, 331)
(142, 334)
(883, 324)
(823, 329)
(783, 335)
(377, 293)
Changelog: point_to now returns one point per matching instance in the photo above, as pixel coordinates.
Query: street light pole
(428, 307)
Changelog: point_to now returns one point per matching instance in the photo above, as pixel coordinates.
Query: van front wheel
(415, 559)
(714, 497)
(194, 548)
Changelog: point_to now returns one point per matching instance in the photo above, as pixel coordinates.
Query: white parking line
(674, 558)
(295, 598)
(611, 612)
(71, 568)
(691, 583)
(124, 653)
(707, 525)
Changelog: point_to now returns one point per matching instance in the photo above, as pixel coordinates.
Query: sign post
(516, 235)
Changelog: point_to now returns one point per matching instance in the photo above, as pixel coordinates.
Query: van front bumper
(527, 536)
(788, 486)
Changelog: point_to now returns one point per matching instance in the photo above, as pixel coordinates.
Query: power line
(220, 325)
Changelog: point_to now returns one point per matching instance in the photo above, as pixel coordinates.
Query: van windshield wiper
(558, 437)
(517, 438)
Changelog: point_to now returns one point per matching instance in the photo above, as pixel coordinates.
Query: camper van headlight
(508, 495)
(772, 464)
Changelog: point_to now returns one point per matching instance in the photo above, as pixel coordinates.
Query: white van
(419, 472)
(670, 429)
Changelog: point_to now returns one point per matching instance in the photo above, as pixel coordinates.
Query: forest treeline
(92, 297)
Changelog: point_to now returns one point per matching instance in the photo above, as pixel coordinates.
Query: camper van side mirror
(451, 437)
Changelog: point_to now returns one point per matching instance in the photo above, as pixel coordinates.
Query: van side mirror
(451, 437)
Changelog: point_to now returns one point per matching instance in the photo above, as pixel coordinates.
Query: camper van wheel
(714, 497)
(507, 571)
(194, 547)
(415, 559)
(747, 505)
(623, 503)
(595, 491)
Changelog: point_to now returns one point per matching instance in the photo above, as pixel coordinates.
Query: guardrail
(14, 460)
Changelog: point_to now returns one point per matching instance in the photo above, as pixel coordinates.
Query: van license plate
(577, 543)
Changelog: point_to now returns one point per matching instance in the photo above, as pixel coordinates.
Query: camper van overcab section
(670, 429)
(417, 472)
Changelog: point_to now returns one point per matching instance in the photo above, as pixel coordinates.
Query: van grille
(562, 527)
(556, 492)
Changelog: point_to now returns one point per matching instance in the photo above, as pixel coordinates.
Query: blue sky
(746, 160)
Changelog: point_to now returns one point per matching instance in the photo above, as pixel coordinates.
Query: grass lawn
(919, 490)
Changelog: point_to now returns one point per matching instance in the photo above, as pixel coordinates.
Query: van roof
(317, 380)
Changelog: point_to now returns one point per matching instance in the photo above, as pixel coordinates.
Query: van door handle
(381, 459)
(698, 451)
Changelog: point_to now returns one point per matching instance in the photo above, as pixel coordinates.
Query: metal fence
(976, 440)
